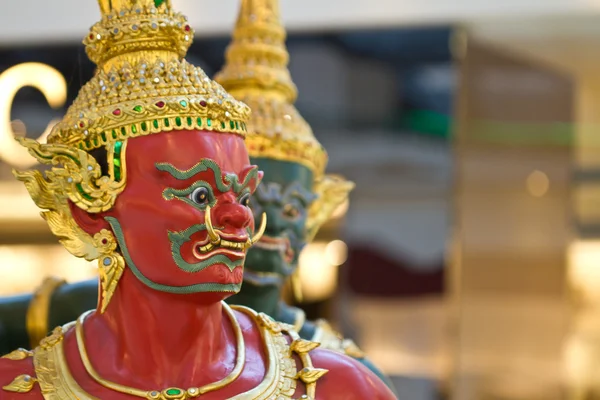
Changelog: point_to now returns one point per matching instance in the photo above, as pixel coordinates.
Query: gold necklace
(172, 392)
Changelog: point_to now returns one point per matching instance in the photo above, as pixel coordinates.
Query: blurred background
(466, 263)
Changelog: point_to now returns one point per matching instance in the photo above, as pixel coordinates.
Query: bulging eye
(199, 196)
(291, 211)
(245, 200)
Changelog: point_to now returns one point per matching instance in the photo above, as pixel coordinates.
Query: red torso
(346, 378)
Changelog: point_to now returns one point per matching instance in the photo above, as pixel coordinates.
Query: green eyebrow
(224, 183)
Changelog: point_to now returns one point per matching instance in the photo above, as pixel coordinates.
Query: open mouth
(280, 244)
(235, 246)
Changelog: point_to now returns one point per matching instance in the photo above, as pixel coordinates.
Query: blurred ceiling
(31, 21)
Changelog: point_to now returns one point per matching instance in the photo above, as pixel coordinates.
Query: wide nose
(232, 216)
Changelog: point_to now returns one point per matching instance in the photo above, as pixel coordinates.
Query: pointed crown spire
(256, 72)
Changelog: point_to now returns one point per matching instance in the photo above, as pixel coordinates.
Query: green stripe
(197, 288)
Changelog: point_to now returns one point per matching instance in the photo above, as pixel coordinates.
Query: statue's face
(160, 219)
(284, 195)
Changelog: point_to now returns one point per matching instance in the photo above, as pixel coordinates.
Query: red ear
(90, 223)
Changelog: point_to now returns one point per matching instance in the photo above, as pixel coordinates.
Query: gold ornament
(256, 72)
(17, 355)
(37, 312)
(280, 380)
(110, 265)
(169, 393)
(142, 86)
(21, 384)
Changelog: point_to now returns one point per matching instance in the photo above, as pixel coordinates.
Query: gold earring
(110, 265)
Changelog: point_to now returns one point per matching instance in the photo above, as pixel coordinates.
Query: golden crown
(256, 73)
(143, 85)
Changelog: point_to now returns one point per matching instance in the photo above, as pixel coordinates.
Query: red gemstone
(117, 112)
(104, 241)
(187, 28)
(160, 104)
(81, 125)
(203, 103)
(91, 36)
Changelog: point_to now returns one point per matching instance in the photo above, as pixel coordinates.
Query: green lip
(196, 288)
(177, 240)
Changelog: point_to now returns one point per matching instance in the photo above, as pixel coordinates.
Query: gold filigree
(268, 322)
(79, 179)
(75, 175)
(144, 98)
(137, 26)
(21, 384)
(303, 346)
(308, 374)
(17, 355)
(111, 265)
(53, 339)
(279, 382)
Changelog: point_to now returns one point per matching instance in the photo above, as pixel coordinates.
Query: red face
(160, 218)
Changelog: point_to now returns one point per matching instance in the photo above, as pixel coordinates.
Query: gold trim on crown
(147, 98)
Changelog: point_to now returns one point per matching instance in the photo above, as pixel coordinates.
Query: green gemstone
(114, 134)
(82, 192)
(173, 392)
(95, 142)
(133, 129)
(118, 146)
(232, 124)
(167, 122)
(189, 121)
(81, 146)
(155, 123)
(137, 108)
(118, 174)
(144, 127)
(208, 122)
(123, 131)
(178, 121)
(103, 134)
(199, 122)
(223, 125)
(237, 125)
(183, 103)
(158, 3)
(117, 162)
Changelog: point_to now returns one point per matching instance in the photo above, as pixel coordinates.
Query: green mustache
(178, 239)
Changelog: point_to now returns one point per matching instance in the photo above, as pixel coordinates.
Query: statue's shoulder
(17, 376)
(348, 378)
